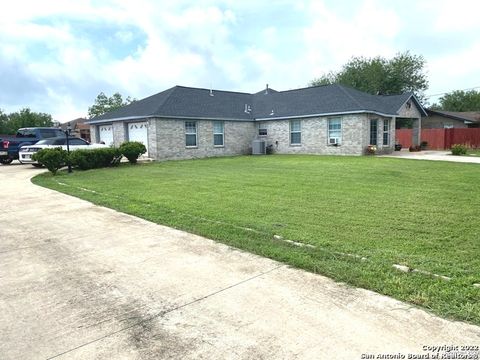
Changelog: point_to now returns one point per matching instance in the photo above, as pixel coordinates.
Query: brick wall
(119, 132)
(168, 139)
(355, 135)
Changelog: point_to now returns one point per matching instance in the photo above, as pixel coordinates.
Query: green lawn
(391, 211)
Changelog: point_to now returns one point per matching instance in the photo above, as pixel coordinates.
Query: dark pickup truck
(9, 146)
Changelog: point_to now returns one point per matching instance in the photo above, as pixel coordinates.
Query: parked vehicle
(26, 152)
(10, 146)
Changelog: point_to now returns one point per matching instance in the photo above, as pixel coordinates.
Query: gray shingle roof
(187, 102)
(472, 116)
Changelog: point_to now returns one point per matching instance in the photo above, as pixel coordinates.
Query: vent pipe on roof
(248, 109)
(266, 89)
(211, 92)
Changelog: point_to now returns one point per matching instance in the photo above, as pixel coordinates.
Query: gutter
(104, 121)
(327, 114)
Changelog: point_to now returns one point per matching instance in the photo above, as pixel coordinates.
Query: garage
(138, 131)
(106, 134)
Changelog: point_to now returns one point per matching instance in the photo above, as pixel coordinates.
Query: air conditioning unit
(259, 147)
(333, 141)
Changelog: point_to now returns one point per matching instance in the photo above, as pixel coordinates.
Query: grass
(473, 152)
(417, 213)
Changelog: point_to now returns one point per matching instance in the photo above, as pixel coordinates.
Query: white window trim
(291, 132)
(186, 133)
(262, 127)
(386, 121)
(370, 132)
(340, 139)
(222, 133)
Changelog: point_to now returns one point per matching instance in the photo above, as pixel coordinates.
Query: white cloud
(142, 47)
(333, 38)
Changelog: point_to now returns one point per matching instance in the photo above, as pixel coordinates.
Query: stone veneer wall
(167, 139)
(355, 135)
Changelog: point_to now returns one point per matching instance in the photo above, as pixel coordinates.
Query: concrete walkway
(433, 155)
(78, 281)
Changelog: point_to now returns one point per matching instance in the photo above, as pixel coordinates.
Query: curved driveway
(78, 281)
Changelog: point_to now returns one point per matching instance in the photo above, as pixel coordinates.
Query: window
(262, 129)
(49, 133)
(190, 133)
(386, 132)
(334, 131)
(218, 131)
(295, 132)
(76, 141)
(26, 133)
(373, 131)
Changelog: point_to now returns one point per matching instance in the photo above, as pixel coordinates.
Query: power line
(448, 92)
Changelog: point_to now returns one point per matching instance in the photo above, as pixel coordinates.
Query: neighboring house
(184, 122)
(80, 128)
(451, 119)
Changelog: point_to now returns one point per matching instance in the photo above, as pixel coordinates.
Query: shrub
(424, 145)
(52, 159)
(95, 158)
(132, 150)
(414, 148)
(459, 149)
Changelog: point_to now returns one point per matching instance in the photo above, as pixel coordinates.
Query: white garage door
(106, 134)
(138, 131)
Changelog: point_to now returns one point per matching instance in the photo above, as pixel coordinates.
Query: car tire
(6, 161)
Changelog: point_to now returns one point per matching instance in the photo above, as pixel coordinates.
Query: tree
(403, 73)
(104, 104)
(9, 124)
(459, 100)
(3, 123)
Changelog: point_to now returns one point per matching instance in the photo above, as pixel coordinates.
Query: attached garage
(138, 131)
(106, 134)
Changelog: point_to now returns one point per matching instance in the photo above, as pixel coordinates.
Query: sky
(57, 56)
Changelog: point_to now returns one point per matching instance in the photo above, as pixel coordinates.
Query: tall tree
(402, 73)
(10, 123)
(104, 104)
(3, 123)
(459, 100)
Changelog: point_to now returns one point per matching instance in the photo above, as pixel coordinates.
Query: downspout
(420, 129)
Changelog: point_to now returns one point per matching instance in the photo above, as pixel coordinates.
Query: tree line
(404, 72)
(10, 123)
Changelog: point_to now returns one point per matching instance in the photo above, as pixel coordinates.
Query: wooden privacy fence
(441, 139)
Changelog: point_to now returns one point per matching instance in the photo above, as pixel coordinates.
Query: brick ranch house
(184, 122)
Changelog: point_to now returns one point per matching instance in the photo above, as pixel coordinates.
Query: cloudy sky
(56, 56)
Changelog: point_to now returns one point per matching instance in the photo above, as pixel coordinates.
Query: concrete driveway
(78, 281)
(435, 155)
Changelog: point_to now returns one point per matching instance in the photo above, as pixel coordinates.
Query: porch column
(416, 131)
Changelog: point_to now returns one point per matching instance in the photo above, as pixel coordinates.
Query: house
(80, 128)
(451, 119)
(185, 122)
